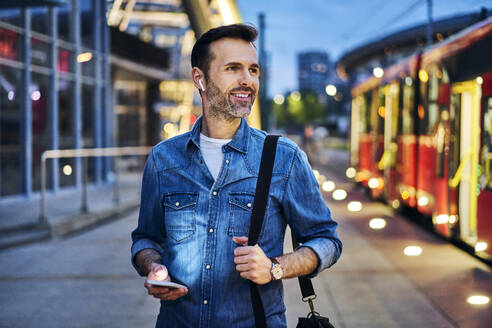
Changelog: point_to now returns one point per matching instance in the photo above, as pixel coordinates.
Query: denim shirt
(190, 220)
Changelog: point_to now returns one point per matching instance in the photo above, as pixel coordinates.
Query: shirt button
(205, 302)
(227, 161)
(177, 204)
(208, 267)
(214, 193)
(249, 205)
(211, 230)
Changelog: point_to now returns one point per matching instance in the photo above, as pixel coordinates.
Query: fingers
(241, 240)
(245, 250)
(252, 263)
(159, 272)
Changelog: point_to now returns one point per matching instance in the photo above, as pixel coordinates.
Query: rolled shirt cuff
(140, 245)
(326, 251)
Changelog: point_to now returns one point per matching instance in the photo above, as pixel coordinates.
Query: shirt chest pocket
(240, 209)
(179, 211)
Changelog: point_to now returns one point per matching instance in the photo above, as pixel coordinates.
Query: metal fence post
(42, 215)
(85, 168)
(116, 188)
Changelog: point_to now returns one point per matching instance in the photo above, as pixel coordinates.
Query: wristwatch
(276, 271)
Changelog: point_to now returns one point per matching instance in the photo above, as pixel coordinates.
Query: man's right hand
(159, 272)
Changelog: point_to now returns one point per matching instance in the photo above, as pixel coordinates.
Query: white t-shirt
(212, 153)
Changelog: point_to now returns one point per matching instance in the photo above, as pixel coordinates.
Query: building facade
(54, 92)
(93, 74)
(313, 71)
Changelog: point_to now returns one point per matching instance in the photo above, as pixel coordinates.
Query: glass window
(40, 20)
(10, 120)
(65, 60)
(10, 44)
(454, 124)
(40, 126)
(11, 16)
(434, 95)
(88, 125)
(87, 22)
(366, 112)
(64, 21)
(40, 52)
(66, 137)
(406, 116)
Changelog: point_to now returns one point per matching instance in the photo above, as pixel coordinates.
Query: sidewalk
(20, 217)
(86, 280)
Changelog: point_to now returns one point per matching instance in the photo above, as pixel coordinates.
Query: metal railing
(85, 153)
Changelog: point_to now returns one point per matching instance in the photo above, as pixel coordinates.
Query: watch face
(277, 272)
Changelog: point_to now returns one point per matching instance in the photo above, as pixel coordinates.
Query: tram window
(407, 108)
(486, 178)
(366, 112)
(432, 110)
(381, 111)
(454, 118)
(428, 110)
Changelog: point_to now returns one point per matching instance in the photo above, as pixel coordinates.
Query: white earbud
(201, 84)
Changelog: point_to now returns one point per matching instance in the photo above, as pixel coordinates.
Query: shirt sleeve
(308, 216)
(150, 231)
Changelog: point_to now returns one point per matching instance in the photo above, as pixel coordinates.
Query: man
(197, 195)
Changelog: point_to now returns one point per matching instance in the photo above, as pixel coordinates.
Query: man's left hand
(251, 262)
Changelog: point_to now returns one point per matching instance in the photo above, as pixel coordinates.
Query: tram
(421, 136)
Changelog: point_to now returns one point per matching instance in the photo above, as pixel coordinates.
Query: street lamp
(331, 90)
(378, 72)
(278, 99)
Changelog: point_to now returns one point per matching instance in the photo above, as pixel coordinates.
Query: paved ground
(86, 280)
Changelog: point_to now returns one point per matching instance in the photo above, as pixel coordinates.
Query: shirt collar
(239, 142)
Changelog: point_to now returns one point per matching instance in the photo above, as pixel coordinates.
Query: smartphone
(167, 284)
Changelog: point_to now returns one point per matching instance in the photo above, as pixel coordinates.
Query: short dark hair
(201, 56)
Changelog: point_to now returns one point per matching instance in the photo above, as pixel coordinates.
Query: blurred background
(391, 101)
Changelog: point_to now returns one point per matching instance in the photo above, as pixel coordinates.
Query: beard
(221, 105)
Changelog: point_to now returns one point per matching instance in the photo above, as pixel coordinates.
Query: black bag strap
(305, 284)
(262, 188)
(257, 215)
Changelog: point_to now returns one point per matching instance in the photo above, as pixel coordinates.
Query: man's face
(233, 78)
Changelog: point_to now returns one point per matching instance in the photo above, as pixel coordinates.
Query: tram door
(465, 107)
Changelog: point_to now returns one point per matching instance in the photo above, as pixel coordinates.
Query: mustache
(245, 89)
